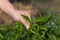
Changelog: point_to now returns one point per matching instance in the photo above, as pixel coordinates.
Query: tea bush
(41, 28)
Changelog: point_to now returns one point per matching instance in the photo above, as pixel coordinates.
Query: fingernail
(27, 27)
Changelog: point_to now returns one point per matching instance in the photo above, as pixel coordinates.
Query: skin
(6, 6)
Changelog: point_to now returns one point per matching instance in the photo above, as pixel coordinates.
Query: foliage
(41, 28)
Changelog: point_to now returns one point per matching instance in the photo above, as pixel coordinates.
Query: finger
(26, 13)
(24, 22)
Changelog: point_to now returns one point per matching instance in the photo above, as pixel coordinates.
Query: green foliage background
(41, 28)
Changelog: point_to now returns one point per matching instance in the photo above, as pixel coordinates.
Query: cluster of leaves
(41, 28)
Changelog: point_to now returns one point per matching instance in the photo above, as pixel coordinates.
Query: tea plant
(41, 28)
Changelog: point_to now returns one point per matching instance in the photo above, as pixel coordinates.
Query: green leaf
(1, 36)
(43, 18)
(52, 37)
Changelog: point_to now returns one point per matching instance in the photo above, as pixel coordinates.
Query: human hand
(17, 16)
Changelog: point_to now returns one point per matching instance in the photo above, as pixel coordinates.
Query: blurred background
(38, 7)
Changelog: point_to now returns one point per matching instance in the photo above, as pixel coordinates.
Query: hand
(17, 16)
